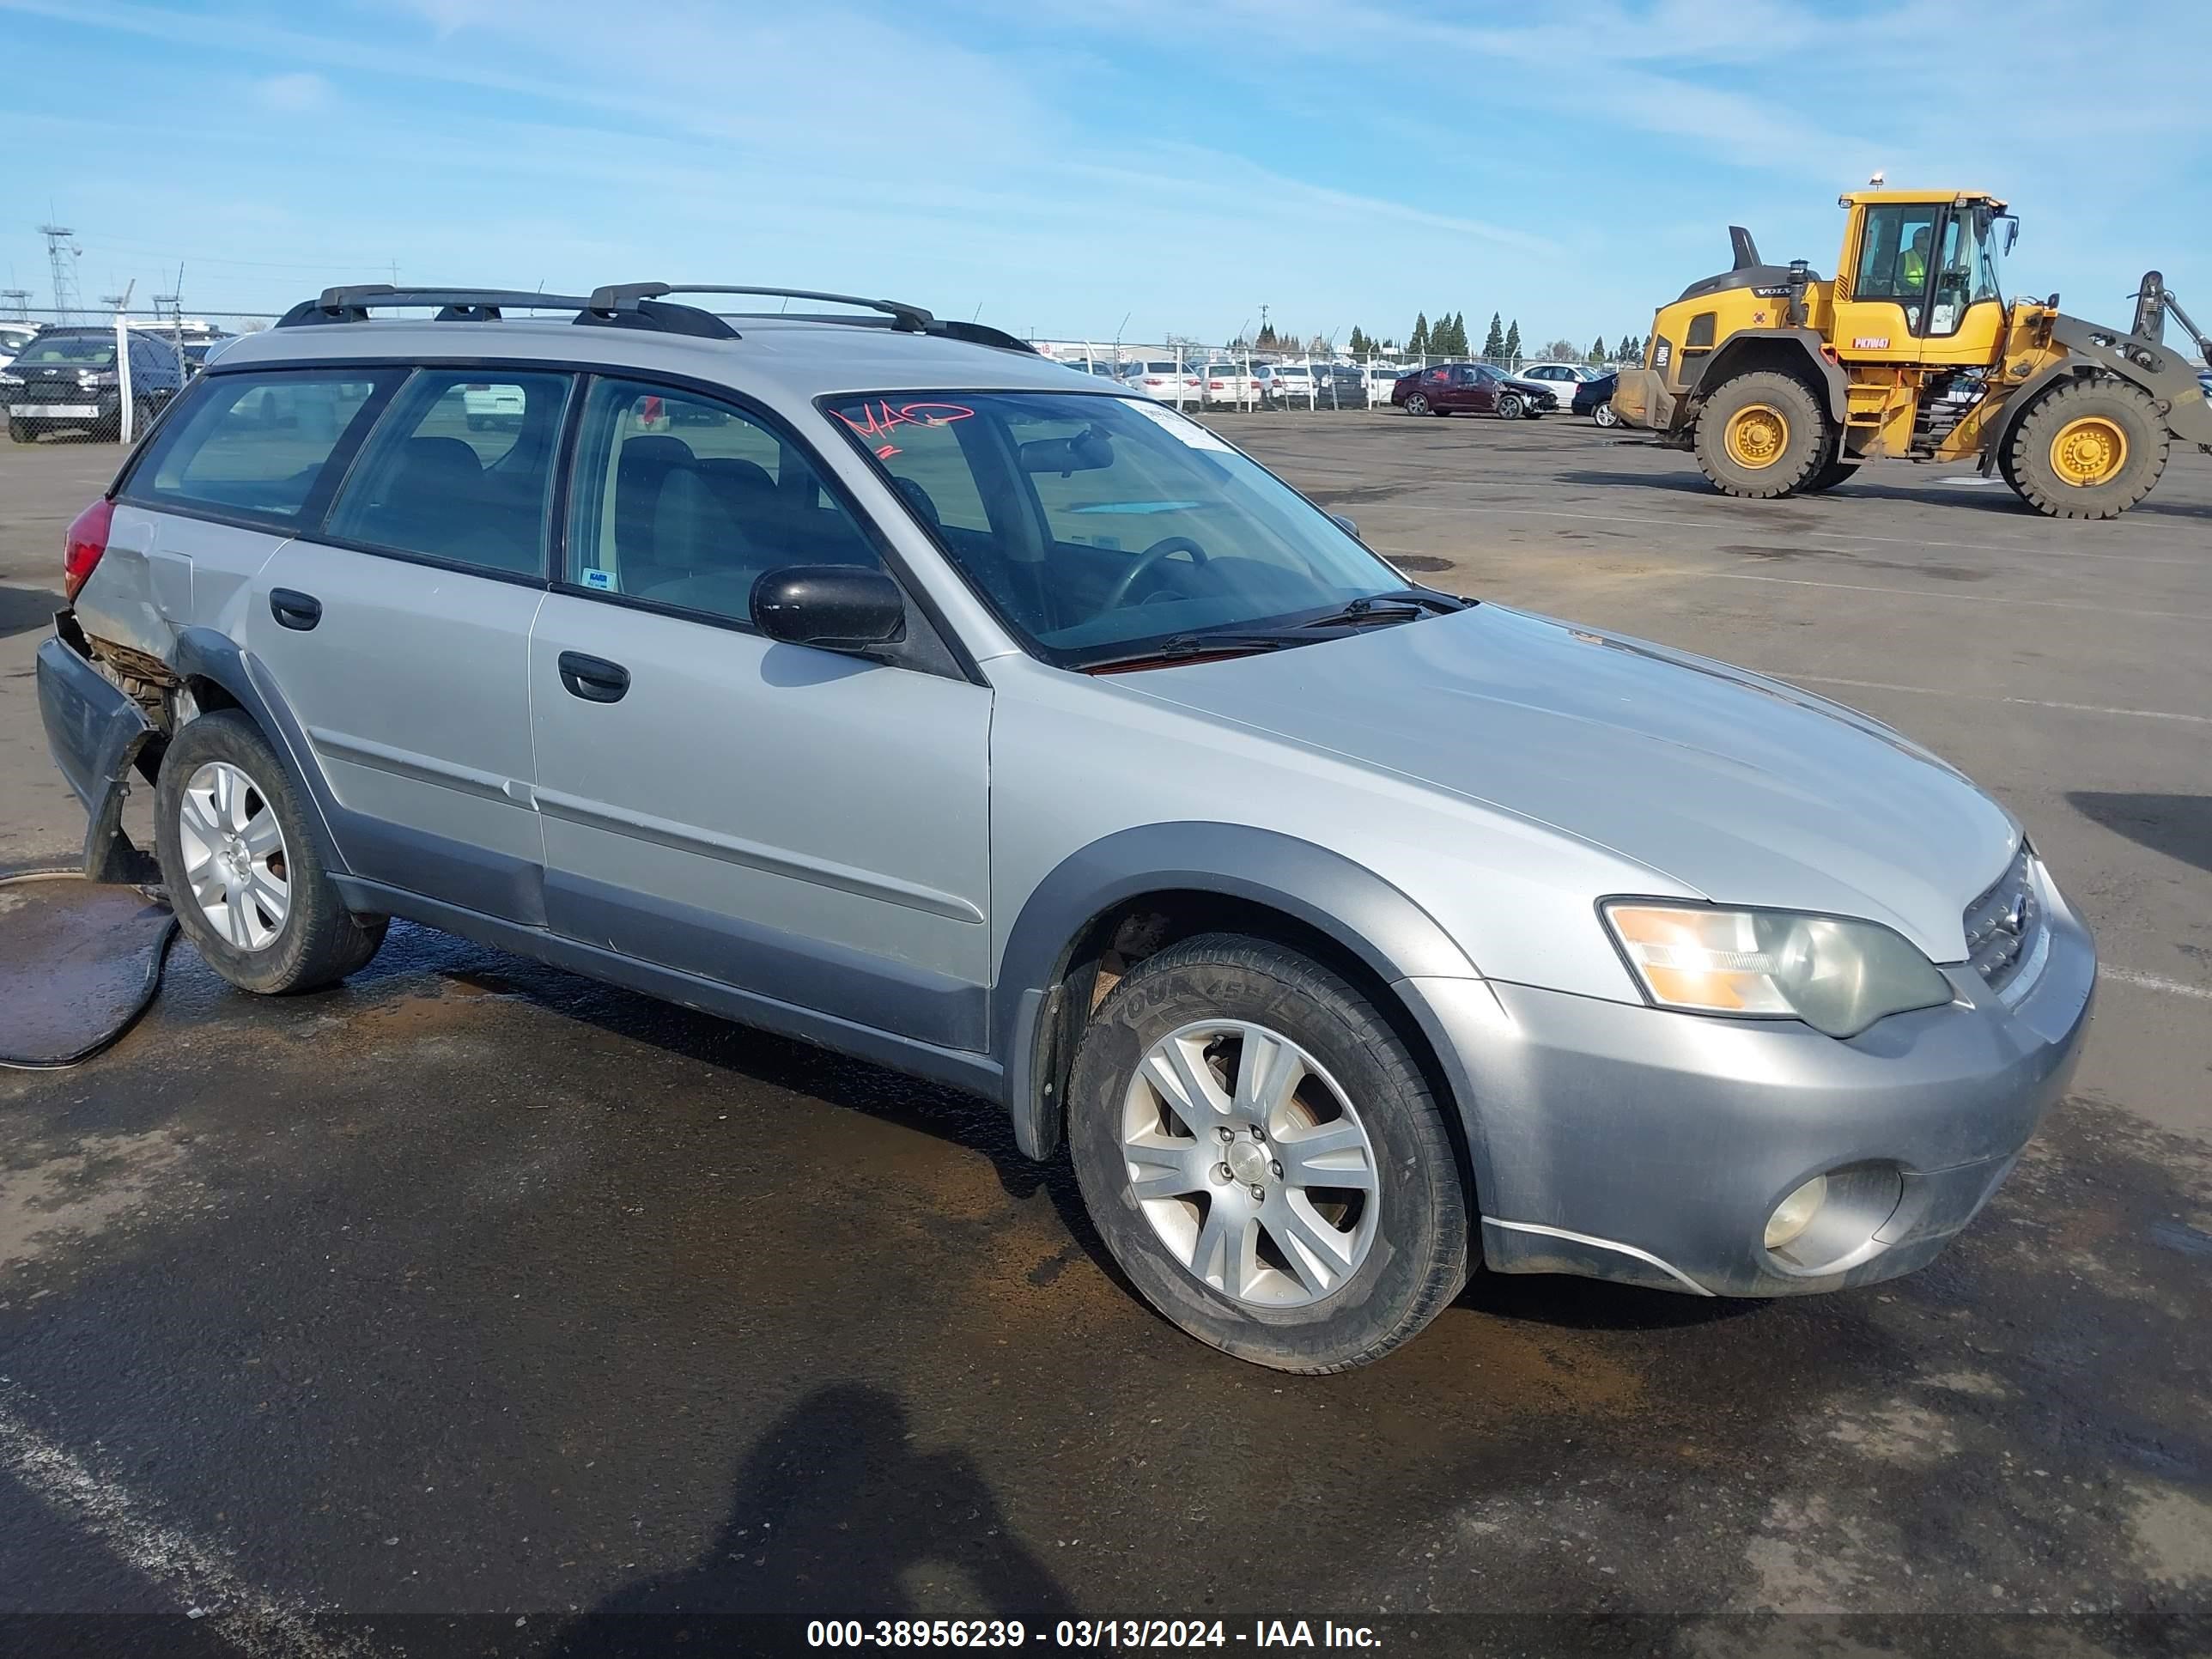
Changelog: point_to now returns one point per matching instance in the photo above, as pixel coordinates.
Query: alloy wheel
(234, 856)
(1250, 1163)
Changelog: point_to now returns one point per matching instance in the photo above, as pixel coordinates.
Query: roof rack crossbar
(351, 304)
(622, 296)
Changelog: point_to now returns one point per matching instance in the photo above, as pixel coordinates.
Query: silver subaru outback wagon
(869, 678)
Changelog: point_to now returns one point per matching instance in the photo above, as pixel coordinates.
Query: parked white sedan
(1161, 378)
(1228, 383)
(1561, 378)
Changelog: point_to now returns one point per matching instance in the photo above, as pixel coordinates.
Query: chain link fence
(1241, 377)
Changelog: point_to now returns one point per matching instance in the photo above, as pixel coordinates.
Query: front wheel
(1263, 1158)
(1509, 406)
(21, 431)
(1603, 416)
(240, 862)
(2089, 449)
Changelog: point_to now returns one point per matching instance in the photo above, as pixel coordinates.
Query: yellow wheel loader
(1782, 382)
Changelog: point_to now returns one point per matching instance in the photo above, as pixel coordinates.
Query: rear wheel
(1762, 435)
(1417, 402)
(1263, 1158)
(1603, 416)
(248, 887)
(2089, 449)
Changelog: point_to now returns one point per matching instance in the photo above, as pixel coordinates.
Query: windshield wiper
(1401, 606)
(1185, 647)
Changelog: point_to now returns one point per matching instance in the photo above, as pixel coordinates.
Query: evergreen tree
(1597, 349)
(1358, 341)
(1267, 335)
(1459, 334)
(1493, 343)
(1419, 339)
(1513, 341)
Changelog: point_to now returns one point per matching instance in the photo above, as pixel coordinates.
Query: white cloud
(294, 93)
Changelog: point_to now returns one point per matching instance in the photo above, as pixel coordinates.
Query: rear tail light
(86, 541)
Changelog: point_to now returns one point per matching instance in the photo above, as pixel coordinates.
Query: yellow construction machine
(1783, 382)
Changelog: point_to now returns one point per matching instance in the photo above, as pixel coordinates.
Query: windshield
(1094, 524)
(87, 350)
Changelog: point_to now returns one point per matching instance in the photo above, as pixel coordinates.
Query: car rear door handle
(293, 608)
(593, 679)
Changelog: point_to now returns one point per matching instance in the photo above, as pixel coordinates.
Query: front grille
(2004, 925)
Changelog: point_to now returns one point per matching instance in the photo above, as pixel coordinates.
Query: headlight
(1838, 975)
(11, 379)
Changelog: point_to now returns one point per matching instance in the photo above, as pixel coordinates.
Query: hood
(1739, 788)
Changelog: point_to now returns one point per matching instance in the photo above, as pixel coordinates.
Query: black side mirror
(837, 607)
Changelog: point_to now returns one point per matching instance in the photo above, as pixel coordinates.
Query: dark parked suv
(68, 378)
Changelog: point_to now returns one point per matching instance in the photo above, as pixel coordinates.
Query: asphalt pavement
(474, 1306)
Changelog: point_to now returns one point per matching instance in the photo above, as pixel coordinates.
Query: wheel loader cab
(1919, 280)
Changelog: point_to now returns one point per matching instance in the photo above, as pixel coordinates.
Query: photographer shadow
(836, 1515)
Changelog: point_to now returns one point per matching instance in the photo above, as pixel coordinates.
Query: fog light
(1795, 1213)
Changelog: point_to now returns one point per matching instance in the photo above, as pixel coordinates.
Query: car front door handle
(593, 679)
(293, 608)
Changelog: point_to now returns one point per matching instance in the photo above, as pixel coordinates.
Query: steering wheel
(1143, 564)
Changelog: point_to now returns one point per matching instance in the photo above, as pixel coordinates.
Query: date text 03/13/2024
(1085, 1633)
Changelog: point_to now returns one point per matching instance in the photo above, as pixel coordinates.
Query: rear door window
(459, 470)
(258, 447)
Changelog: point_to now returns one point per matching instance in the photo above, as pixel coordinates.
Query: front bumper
(1632, 1143)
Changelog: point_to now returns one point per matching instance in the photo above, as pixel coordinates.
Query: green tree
(1419, 339)
(1459, 334)
(1267, 335)
(1597, 349)
(1358, 343)
(1513, 341)
(1493, 343)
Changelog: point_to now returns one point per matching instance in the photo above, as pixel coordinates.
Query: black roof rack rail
(944, 328)
(622, 296)
(455, 305)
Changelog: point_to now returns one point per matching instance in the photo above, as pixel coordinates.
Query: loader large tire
(1762, 435)
(2087, 449)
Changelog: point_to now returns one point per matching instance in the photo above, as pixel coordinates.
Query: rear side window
(459, 469)
(256, 446)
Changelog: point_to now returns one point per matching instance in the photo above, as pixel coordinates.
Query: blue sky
(1057, 165)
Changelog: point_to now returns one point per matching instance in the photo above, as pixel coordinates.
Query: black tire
(321, 941)
(1417, 402)
(1804, 442)
(1418, 1259)
(1832, 473)
(2031, 466)
(21, 431)
(1510, 406)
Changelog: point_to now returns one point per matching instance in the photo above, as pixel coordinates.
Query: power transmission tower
(61, 258)
(18, 302)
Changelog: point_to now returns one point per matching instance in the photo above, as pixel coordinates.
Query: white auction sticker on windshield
(1189, 431)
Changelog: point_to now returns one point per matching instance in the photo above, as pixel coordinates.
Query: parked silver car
(924, 703)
